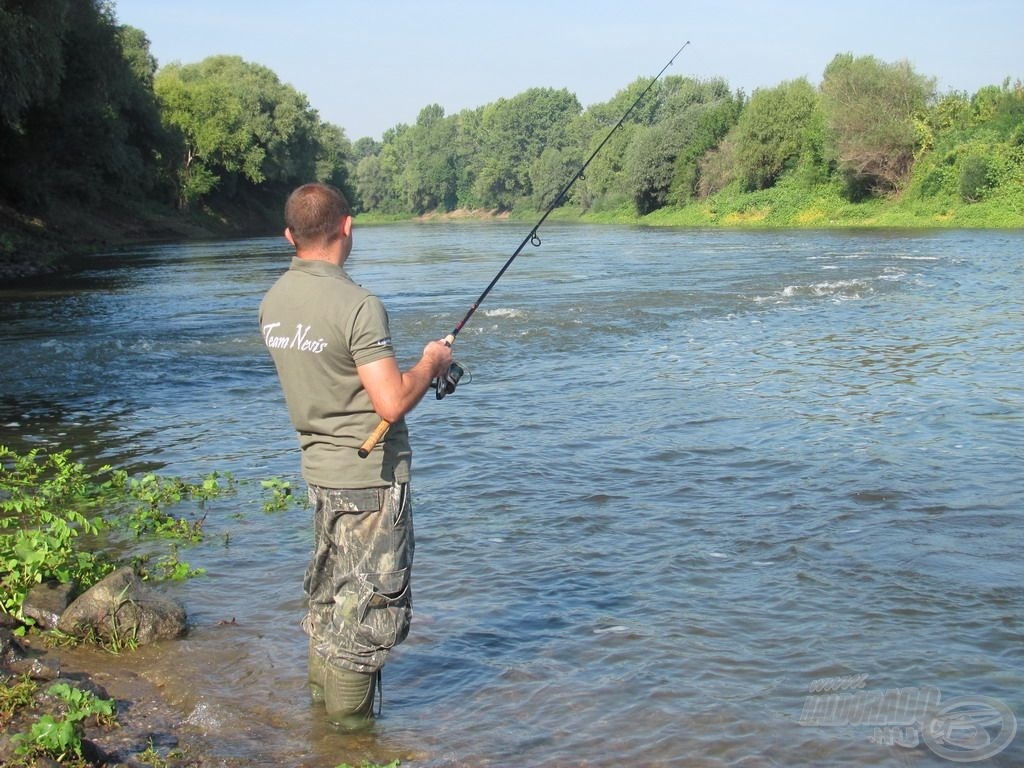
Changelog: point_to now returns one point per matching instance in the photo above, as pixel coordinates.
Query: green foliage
(76, 120)
(60, 738)
(239, 123)
(974, 178)
(41, 503)
(870, 107)
(281, 496)
(48, 502)
(773, 132)
(663, 159)
(150, 756)
(16, 694)
(31, 56)
(513, 133)
(549, 175)
(87, 119)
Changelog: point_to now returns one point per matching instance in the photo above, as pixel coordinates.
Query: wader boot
(316, 674)
(348, 695)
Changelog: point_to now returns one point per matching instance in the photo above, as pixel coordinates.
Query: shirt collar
(319, 268)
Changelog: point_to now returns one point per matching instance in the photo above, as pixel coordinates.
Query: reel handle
(382, 429)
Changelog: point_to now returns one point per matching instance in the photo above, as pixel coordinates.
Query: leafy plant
(280, 494)
(61, 737)
(48, 502)
(40, 519)
(169, 567)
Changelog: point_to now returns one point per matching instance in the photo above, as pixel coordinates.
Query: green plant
(280, 494)
(60, 738)
(149, 756)
(40, 518)
(48, 502)
(169, 567)
(16, 693)
(152, 494)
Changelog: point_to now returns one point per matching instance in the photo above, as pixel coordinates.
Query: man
(331, 344)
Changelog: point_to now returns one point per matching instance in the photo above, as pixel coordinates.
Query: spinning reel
(446, 384)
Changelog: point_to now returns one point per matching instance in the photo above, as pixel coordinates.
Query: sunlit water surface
(692, 473)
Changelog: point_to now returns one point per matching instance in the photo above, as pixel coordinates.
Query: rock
(36, 668)
(122, 610)
(15, 660)
(10, 648)
(46, 602)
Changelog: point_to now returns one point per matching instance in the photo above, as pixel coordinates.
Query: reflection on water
(693, 473)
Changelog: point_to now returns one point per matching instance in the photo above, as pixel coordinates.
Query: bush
(974, 178)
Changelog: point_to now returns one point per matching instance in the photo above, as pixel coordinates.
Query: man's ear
(346, 226)
(288, 236)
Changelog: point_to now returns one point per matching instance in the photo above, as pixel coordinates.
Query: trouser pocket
(358, 581)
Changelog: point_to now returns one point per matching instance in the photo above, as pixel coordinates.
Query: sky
(369, 65)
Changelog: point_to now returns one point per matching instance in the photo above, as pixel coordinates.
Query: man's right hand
(439, 354)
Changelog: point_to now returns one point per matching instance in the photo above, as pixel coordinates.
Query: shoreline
(30, 249)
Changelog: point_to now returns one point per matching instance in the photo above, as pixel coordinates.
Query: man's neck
(330, 255)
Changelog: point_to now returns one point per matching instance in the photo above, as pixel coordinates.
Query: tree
(550, 173)
(76, 117)
(772, 132)
(333, 160)
(663, 159)
(31, 55)
(370, 184)
(514, 133)
(607, 179)
(429, 176)
(870, 107)
(237, 122)
(651, 162)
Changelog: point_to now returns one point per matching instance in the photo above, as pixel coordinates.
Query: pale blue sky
(367, 65)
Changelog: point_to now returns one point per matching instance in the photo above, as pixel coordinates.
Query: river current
(692, 484)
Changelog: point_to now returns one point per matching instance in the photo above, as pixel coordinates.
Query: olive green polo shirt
(319, 326)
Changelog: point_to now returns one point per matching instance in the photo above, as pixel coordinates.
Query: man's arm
(394, 393)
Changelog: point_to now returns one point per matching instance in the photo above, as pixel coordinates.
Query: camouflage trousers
(357, 583)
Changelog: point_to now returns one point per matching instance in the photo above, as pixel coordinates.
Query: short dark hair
(313, 214)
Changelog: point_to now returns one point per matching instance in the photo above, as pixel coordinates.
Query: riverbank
(786, 206)
(144, 730)
(32, 245)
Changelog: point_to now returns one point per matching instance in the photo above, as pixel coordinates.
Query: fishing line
(446, 385)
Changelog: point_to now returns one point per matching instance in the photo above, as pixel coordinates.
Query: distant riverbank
(31, 245)
(782, 207)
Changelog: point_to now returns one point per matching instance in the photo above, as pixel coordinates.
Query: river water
(694, 473)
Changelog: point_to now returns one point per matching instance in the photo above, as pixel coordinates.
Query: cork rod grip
(375, 437)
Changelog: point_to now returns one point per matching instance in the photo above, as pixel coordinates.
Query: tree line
(87, 115)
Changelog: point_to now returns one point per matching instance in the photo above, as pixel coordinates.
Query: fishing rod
(446, 385)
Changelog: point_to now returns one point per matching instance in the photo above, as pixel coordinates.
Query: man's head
(315, 217)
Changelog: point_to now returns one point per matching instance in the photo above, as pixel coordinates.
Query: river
(691, 481)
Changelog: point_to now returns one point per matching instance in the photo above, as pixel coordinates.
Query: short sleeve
(370, 334)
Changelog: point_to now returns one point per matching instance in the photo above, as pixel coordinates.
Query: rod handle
(375, 437)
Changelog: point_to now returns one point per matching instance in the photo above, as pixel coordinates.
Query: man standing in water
(331, 344)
